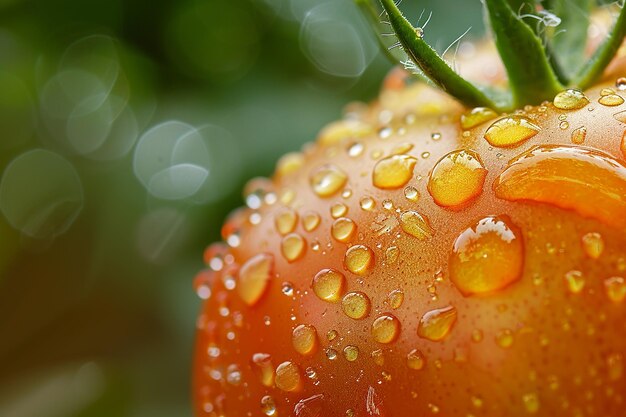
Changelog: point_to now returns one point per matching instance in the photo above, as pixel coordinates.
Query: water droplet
(329, 285)
(310, 221)
(378, 357)
(564, 125)
(583, 180)
(411, 194)
(340, 130)
(611, 100)
(620, 83)
(288, 377)
(388, 205)
(386, 328)
(287, 289)
(327, 180)
(309, 407)
(332, 335)
(402, 148)
(385, 133)
(392, 254)
(487, 257)
(415, 360)
(615, 289)
(286, 221)
(615, 365)
(531, 403)
(416, 225)
(254, 277)
(393, 172)
(351, 353)
(477, 336)
(367, 203)
(425, 155)
(304, 339)
(233, 375)
(436, 324)
(504, 338)
(263, 368)
(593, 245)
(395, 299)
(511, 131)
(343, 229)
(570, 100)
(575, 281)
(338, 210)
(268, 406)
(289, 163)
(293, 247)
(331, 354)
(477, 401)
(477, 116)
(356, 149)
(579, 135)
(359, 259)
(350, 413)
(356, 305)
(419, 32)
(435, 136)
(457, 178)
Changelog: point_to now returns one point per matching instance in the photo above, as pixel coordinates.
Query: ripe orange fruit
(428, 258)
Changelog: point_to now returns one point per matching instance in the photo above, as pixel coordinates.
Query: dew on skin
(304, 339)
(351, 353)
(343, 229)
(338, 210)
(487, 257)
(254, 277)
(268, 406)
(286, 221)
(293, 247)
(579, 135)
(359, 259)
(386, 328)
(329, 285)
(570, 100)
(416, 225)
(415, 360)
(356, 305)
(393, 172)
(327, 180)
(263, 368)
(367, 203)
(310, 221)
(288, 377)
(511, 131)
(457, 178)
(615, 288)
(436, 324)
(575, 281)
(476, 117)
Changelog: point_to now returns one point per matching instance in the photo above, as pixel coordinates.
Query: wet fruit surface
(427, 260)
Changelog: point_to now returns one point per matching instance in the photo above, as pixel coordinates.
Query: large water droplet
(416, 225)
(436, 324)
(359, 259)
(611, 100)
(304, 339)
(254, 277)
(329, 285)
(570, 100)
(288, 377)
(386, 328)
(487, 257)
(457, 178)
(356, 305)
(511, 131)
(393, 172)
(327, 180)
(477, 116)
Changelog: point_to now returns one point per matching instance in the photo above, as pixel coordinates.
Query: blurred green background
(128, 128)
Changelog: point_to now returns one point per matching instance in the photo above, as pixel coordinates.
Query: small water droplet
(286, 220)
(359, 259)
(356, 305)
(620, 83)
(332, 335)
(579, 135)
(310, 221)
(329, 285)
(615, 365)
(293, 247)
(288, 377)
(367, 203)
(331, 354)
(393, 172)
(436, 324)
(487, 257)
(415, 360)
(411, 194)
(304, 339)
(511, 131)
(435, 136)
(254, 277)
(343, 229)
(386, 328)
(268, 406)
(611, 100)
(570, 100)
(356, 149)
(564, 125)
(338, 210)
(378, 357)
(457, 178)
(425, 155)
(287, 289)
(615, 289)
(476, 117)
(593, 245)
(327, 180)
(416, 225)
(351, 353)
(391, 254)
(395, 299)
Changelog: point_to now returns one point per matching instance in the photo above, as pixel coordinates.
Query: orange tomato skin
(548, 341)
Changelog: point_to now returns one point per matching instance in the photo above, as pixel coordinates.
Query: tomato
(428, 258)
